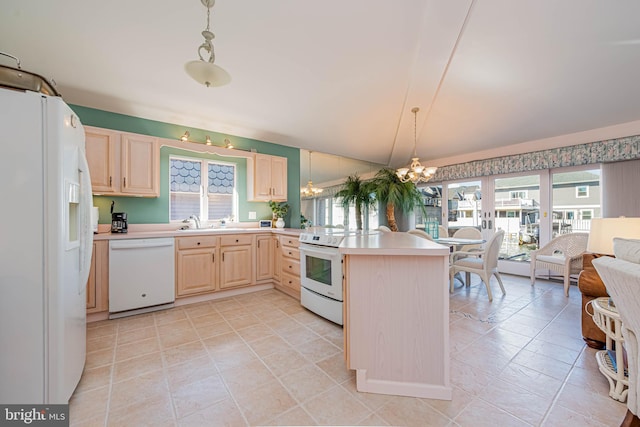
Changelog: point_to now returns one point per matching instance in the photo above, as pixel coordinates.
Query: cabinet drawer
(291, 252)
(196, 242)
(291, 266)
(290, 281)
(290, 241)
(236, 239)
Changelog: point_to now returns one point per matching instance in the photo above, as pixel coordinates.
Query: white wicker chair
(483, 263)
(443, 231)
(562, 255)
(421, 233)
(384, 229)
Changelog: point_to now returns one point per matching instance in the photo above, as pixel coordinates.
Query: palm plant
(358, 192)
(394, 193)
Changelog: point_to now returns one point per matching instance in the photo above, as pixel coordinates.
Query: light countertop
(149, 231)
(391, 244)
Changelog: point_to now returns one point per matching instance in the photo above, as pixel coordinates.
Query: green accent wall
(156, 210)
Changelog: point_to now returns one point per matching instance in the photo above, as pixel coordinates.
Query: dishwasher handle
(138, 244)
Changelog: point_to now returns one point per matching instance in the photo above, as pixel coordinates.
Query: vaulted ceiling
(341, 76)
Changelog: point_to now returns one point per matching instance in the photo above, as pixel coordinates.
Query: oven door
(321, 270)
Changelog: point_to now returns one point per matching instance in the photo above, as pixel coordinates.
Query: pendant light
(202, 70)
(415, 172)
(310, 190)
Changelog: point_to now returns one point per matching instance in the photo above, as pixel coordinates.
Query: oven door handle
(319, 250)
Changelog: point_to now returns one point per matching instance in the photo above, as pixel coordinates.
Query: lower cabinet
(264, 257)
(98, 282)
(236, 266)
(277, 258)
(197, 261)
(290, 266)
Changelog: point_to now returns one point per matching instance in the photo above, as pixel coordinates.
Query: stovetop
(330, 236)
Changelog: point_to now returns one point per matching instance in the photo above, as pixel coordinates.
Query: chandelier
(415, 172)
(202, 70)
(310, 190)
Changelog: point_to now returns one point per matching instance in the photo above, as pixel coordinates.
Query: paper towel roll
(95, 214)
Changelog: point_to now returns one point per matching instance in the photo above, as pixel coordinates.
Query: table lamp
(603, 230)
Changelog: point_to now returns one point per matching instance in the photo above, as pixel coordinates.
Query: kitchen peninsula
(396, 314)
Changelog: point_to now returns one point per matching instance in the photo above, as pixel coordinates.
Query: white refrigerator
(45, 254)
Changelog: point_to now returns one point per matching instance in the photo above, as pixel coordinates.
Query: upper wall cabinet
(267, 178)
(123, 164)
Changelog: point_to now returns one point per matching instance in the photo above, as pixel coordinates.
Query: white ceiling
(341, 76)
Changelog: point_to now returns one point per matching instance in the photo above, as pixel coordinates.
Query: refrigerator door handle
(86, 232)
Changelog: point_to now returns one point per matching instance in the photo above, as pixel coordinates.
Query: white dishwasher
(141, 275)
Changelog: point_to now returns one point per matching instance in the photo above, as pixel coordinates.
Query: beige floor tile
(552, 366)
(99, 358)
(252, 372)
(283, 362)
(222, 414)
(305, 383)
(101, 343)
(184, 353)
(207, 330)
(152, 385)
(336, 367)
(156, 411)
(135, 322)
(137, 348)
(89, 405)
(198, 395)
(255, 332)
(263, 403)
(137, 366)
(481, 414)
(411, 412)
(135, 335)
(317, 350)
(294, 417)
(336, 406)
(190, 371)
(94, 378)
(269, 345)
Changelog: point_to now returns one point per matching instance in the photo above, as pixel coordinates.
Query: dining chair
(468, 233)
(421, 233)
(484, 263)
(384, 228)
(442, 231)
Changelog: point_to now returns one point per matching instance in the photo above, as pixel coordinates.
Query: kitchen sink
(209, 230)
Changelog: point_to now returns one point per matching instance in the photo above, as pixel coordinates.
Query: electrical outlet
(252, 215)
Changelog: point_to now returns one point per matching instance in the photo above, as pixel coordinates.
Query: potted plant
(361, 194)
(394, 193)
(279, 210)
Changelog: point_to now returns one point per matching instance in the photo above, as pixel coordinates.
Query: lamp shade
(603, 230)
(207, 73)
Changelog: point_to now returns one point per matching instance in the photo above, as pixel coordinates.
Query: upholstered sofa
(621, 275)
(591, 286)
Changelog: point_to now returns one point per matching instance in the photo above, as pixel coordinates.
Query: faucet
(196, 218)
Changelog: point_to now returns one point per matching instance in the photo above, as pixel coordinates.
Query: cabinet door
(279, 178)
(236, 266)
(98, 283)
(264, 258)
(196, 271)
(262, 177)
(100, 148)
(277, 258)
(140, 165)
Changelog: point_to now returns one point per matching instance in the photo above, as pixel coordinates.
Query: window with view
(201, 187)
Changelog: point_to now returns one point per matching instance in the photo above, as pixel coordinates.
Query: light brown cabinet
(197, 264)
(290, 262)
(98, 282)
(264, 257)
(123, 164)
(277, 258)
(236, 266)
(267, 178)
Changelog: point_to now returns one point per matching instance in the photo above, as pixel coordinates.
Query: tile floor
(261, 359)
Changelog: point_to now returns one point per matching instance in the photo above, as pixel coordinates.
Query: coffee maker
(118, 221)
